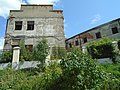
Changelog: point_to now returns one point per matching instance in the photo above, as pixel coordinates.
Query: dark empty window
(98, 35)
(29, 47)
(30, 25)
(76, 43)
(114, 30)
(85, 40)
(70, 45)
(66, 45)
(18, 25)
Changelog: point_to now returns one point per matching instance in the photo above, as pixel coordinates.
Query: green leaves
(41, 51)
(101, 49)
(25, 54)
(6, 57)
(81, 72)
(77, 71)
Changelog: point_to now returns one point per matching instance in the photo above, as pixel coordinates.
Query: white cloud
(1, 42)
(95, 19)
(42, 1)
(7, 5)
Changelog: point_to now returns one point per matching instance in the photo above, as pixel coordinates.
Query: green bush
(114, 71)
(14, 80)
(58, 53)
(77, 71)
(25, 55)
(6, 57)
(102, 49)
(48, 78)
(112, 68)
(41, 51)
(80, 72)
(24, 80)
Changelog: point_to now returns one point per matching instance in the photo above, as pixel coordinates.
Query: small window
(76, 43)
(98, 35)
(18, 25)
(70, 45)
(29, 47)
(30, 25)
(85, 40)
(15, 46)
(114, 30)
(66, 45)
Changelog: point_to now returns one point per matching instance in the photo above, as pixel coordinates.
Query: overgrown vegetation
(6, 56)
(41, 51)
(81, 72)
(25, 54)
(102, 49)
(58, 53)
(77, 71)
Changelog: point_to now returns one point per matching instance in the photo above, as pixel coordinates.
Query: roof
(36, 5)
(94, 28)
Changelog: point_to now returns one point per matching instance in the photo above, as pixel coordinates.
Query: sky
(79, 15)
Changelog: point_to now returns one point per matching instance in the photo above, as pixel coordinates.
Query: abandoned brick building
(32, 23)
(110, 30)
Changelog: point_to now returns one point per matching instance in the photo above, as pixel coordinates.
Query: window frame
(70, 45)
(29, 47)
(30, 25)
(18, 25)
(98, 35)
(85, 40)
(76, 42)
(114, 30)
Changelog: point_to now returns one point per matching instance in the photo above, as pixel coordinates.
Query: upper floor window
(70, 45)
(98, 35)
(29, 47)
(18, 25)
(30, 25)
(84, 39)
(76, 42)
(114, 30)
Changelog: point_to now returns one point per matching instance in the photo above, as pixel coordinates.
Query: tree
(58, 53)
(81, 72)
(25, 55)
(102, 49)
(6, 56)
(41, 51)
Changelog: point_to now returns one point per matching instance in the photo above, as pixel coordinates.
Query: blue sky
(79, 15)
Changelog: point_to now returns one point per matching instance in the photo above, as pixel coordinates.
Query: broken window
(114, 30)
(29, 47)
(85, 40)
(98, 35)
(30, 25)
(70, 45)
(76, 43)
(18, 25)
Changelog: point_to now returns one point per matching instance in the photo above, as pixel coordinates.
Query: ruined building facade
(109, 30)
(32, 23)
